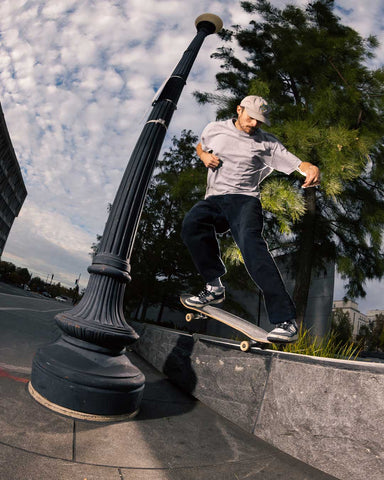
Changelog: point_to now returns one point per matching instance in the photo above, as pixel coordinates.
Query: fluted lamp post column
(86, 373)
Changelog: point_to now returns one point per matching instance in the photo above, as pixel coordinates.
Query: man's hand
(312, 174)
(209, 159)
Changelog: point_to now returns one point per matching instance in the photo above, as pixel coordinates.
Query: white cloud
(76, 82)
(366, 18)
(47, 242)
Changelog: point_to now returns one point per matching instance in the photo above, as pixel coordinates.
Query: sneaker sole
(278, 339)
(282, 338)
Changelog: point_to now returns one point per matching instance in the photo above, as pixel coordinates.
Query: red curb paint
(5, 374)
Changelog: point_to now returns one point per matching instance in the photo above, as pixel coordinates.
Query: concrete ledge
(328, 413)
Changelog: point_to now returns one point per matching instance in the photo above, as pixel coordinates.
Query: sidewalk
(174, 437)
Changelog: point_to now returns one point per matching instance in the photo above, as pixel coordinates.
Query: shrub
(329, 346)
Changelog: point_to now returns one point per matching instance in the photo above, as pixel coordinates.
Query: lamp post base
(79, 415)
(82, 380)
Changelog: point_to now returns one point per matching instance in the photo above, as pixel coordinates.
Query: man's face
(246, 123)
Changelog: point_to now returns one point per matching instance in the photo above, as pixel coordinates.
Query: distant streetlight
(86, 373)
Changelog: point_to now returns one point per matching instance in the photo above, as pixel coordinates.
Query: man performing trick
(239, 156)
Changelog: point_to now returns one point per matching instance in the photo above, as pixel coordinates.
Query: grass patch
(328, 347)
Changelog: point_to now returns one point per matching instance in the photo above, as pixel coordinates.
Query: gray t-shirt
(247, 159)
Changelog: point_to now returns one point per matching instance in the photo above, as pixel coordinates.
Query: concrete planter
(327, 413)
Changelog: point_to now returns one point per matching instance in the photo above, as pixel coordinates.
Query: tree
(6, 270)
(372, 335)
(341, 327)
(21, 276)
(327, 109)
(37, 284)
(95, 245)
(12, 274)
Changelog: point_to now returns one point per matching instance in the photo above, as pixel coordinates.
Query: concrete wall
(327, 413)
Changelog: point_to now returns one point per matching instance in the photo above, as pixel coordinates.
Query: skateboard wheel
(189, 317)
(244, 346)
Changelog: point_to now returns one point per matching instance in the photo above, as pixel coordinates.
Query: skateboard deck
(257, 336)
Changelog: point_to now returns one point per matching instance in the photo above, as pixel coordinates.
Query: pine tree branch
(295, 90)
(374, 186)
(338, 72)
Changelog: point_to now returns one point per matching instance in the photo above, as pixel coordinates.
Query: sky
(77, 78)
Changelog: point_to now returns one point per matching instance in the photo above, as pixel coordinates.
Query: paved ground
(174, 437)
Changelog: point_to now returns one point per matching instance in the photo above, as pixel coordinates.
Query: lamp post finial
(210, 18)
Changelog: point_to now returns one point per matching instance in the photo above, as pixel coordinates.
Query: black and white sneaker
(208, 296)
(286, 332)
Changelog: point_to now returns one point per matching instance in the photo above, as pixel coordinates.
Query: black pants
(242, 214)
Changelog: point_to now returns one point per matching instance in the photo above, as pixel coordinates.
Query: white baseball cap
(256, 107)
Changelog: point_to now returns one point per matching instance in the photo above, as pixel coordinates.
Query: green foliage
(12, 274)
(372, 336)
(259, 88)
(95, 245)
(341, 327)
(327, 108)
(232, 255)
(328, 347)
(37, 284)
(6, 268)
(300, 137)
(20, 276)
(284, 201)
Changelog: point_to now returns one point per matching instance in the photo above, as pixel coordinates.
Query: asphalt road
(30, 316)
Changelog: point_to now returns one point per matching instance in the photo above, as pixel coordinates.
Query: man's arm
(285, 161)
(210, 160)
(312, 174)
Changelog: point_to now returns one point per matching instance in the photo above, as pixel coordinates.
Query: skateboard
(257, 336)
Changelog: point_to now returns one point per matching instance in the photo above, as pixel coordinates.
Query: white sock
(215, 285)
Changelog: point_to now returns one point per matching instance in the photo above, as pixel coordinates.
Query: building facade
(12, 188)
(356, 318)
(372, 314)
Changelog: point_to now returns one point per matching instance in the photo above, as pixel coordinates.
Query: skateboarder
(239, 155)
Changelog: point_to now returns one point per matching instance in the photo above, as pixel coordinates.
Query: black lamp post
(86, 373)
